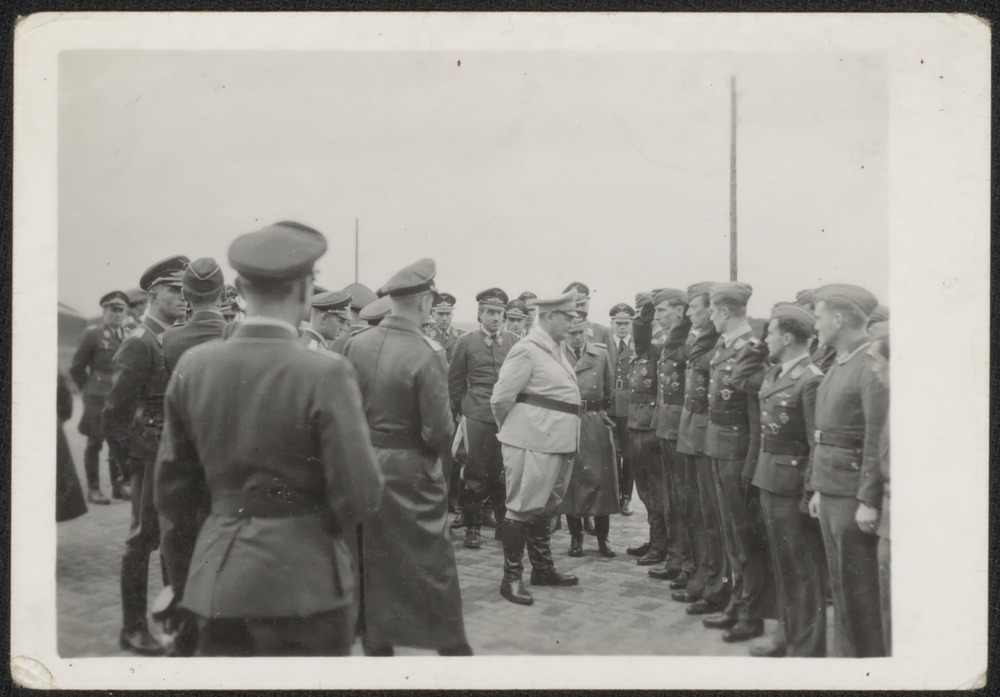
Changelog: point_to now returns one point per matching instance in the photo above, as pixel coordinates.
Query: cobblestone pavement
(615, 610)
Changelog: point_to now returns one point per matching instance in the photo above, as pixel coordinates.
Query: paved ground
(616, 610)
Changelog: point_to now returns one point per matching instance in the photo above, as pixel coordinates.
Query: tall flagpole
(732, 179)
(355, 250)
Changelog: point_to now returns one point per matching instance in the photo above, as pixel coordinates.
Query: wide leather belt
(640, 398)
(728, 418)
(784, 447)
(399, 440)
(839, 441)
(593, 405)
(694, 405)
(283, 503)
(548, 403)
(673, 398)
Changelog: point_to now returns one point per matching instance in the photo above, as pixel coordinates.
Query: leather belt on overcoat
(548, 403)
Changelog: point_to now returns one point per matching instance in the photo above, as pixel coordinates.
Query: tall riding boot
(575, 524)
(514, 534)
(603, 525)
(91, 467)
(119, 487)
(543, 570)
(135, 634)
(472, 513)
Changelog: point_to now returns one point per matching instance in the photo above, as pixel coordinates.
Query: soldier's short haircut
(266, 287)
(735, 308)
(789, 326)
(853, 316)
(202, 298)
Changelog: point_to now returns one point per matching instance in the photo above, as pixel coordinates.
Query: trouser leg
(693, 522)
(852, 558)
(575, 524)
(678, 545)
(323, 634)
(797, 551)
(626, 482)
(644, 451)
(91, 461)
(717, 583)
(885, 591)
(602, 525)
(746, 545)
(143, 539)
(479, 474)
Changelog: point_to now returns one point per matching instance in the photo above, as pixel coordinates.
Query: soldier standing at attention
(441, 311)
(133, 420)
(328, 319)
(622, 315)
(361, 295)
(275, 436)
(537, 406)
(411, 590)
(820, 354)
(597, 333)
(203, 287)
(593, 487)
(851, 409)
(671, 315)
(787, 407)
(643, 445)
(733, 443)
(91, 370)
(474, 369)
(708, 589)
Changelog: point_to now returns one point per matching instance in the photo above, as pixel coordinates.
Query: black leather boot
(603, 525)
(543, 570)
(511, 588)
(588, 526)
(575, 525)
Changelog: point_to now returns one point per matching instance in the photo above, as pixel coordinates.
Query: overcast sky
(525, 170)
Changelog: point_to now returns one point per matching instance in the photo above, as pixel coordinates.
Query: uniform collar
(489, 340)
(860, 346)
(788, 365)
(729, 337)
(206, 314)
(397, 322)
(269, 322)
(156, 325)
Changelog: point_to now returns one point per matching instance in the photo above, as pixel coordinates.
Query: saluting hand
(867, 518)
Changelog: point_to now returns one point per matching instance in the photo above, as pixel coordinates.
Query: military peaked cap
(622, 312)
(167, 272)
(376, 310)
(517, 309)
(493, 297)
(335, 301)
(418, 277)
(443, 302)
(563, 303)
(580, 288)
(283, 251)
(361, 295)
(116, 298)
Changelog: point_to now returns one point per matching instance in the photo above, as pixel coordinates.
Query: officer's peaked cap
(622, 311)
(376, 310)
(563, 303)
(283, 251)
(336, 301)
(361, 295)
(517, 309)
(580, 288)
(418, 277)
(443, 302)
(493, 297)
(168, 272)
(116, 298)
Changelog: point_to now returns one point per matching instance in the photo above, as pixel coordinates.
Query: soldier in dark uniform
(474, 368)
(708, 589)
(374, 312)
(203, 288)
(593, 486)
(411, 589)
(441, 311)
(851, 409)
(643, 445)
(597, 333)
(733, 443)
(91, 370)
(622, 315)
(671, 316)
(137, 301)
(529, 321)
(328, 319)
(69, 495)
(133, 419)
(820, 354)
(517, 314)
(879, 352)
(787, 407)
(274, 435)
(361, 295)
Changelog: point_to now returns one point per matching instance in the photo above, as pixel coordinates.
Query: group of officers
(294, 452)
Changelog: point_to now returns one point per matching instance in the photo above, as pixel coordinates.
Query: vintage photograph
(473, 351)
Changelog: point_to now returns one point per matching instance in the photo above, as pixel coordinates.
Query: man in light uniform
(536, 403)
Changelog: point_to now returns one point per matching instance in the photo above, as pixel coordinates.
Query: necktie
(576, 352)
(621, 346)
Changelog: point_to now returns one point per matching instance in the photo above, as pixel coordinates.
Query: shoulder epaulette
(598, 344)
(816, 371)
(796, 372)
(739, 343)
